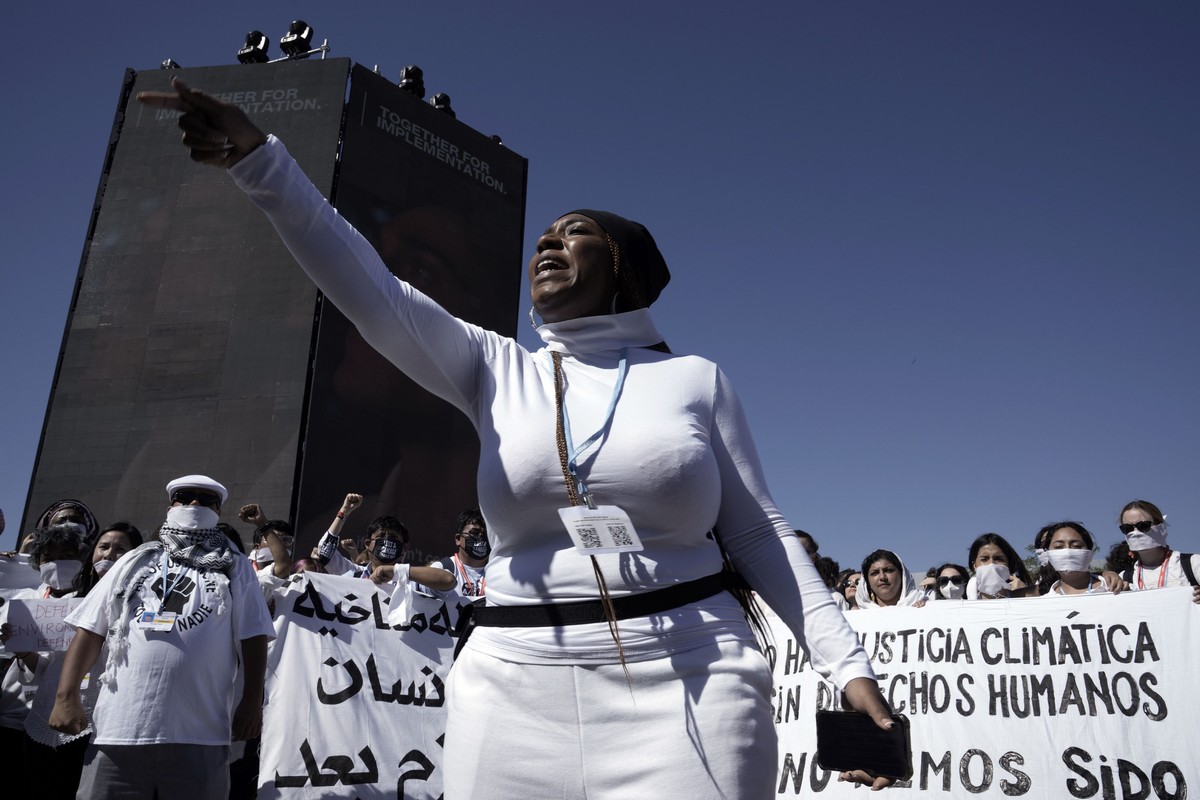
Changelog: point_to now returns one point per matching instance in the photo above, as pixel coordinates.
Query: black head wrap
(91, 528)
(640, 269)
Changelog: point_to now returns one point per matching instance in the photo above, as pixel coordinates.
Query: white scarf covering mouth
(1155, 537)
(1066, 559)
(991, 579)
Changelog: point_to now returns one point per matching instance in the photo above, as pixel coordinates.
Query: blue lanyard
(572, 462)
(167, 590)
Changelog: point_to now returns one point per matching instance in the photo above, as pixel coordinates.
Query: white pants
(694, 726)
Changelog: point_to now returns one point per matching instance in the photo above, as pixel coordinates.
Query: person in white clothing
(55, 552)
(632, 664)
(949, 583)
(998, 572)
(178, 614)
(468, 563)
(386, 543)
(54, 757)
(1065, 551)
(887, 583)
(1145, 531)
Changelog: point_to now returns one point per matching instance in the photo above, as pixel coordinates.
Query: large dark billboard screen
(444, 207)
(187, 346)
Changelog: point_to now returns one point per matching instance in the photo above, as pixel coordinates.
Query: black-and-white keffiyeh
(203, 549)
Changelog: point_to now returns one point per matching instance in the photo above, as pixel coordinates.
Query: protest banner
(1079, 697)
(37, 625)
(1073, 697)
(16, 574)
(355, 704)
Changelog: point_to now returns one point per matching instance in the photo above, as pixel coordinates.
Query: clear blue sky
(948, 252)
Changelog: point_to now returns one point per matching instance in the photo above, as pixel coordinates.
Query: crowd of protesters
(1064, 561)
(71, 554)
(199, 569)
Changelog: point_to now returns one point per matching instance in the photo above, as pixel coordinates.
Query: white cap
(198, 482)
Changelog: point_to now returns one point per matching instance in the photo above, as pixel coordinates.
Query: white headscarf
(910, 593)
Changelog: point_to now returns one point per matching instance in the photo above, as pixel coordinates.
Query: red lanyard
(470, 587)
(1162, 572)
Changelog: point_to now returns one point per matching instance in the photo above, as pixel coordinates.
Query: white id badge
(603, 529)
(156, 620)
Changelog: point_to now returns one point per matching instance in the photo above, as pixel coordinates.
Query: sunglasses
(288, 541)
(186, 497)
(945, 580)
(1141, 527)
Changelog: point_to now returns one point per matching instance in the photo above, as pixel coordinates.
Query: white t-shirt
(176, 686)
(269, 582)
(1095, 586)
(468, 581)
(1174, 577)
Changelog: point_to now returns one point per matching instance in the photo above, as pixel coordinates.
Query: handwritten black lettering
(421, 774)
(338, 770)
(342, 695)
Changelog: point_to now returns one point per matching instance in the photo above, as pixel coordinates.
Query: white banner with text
(355, 705)
(1086, 697)
(1071, 697)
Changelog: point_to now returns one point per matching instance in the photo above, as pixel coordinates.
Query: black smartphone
(848, 740)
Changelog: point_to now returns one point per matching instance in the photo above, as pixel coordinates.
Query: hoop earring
(532, 321)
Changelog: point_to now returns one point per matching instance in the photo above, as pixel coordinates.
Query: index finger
(174, 100)
(171, 100)
(184, 98)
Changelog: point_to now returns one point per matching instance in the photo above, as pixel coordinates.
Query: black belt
(580, 613)
(583, 612)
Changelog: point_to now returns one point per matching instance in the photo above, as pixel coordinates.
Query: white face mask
(1069, 560)
(192, 518)
(102, 567)
(953, 590)
(60, 574)
(991, 578)
(1155, 537)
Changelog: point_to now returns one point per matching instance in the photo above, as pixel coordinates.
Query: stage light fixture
(169, 63)
(496, 138)
(297, 42)
(441, 101)
(412, 80)
(255, 50)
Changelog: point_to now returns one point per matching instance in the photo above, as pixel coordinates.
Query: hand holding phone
(848, 741)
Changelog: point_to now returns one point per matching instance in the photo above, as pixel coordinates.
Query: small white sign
(38, 625)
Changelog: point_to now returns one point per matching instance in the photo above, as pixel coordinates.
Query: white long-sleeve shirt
(678, 459)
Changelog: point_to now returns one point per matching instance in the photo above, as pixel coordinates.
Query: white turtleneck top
(678, 458)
